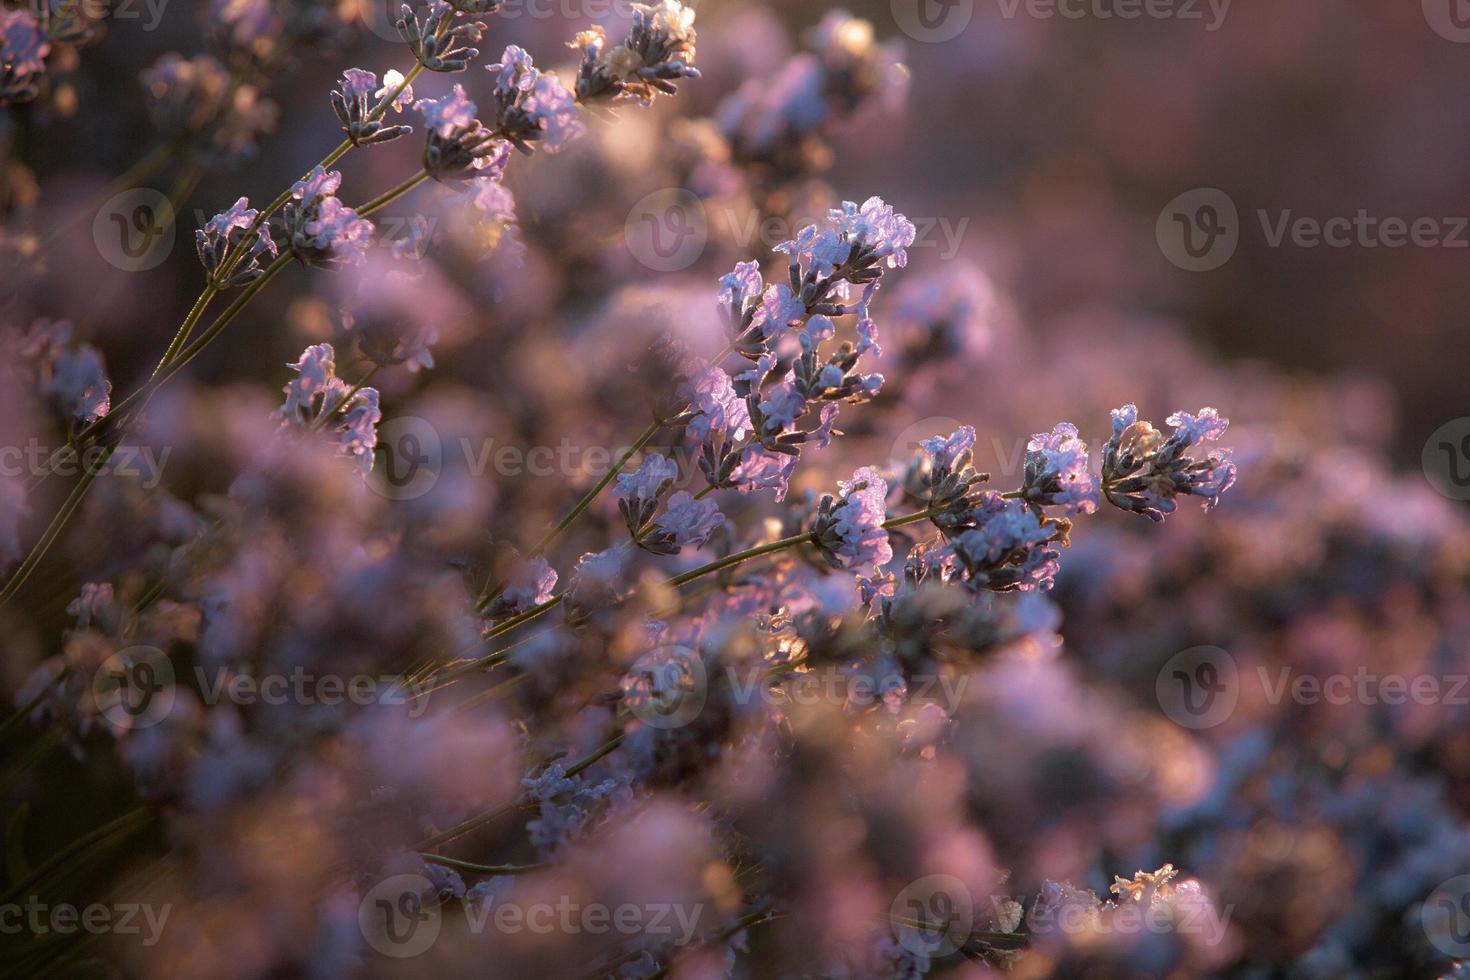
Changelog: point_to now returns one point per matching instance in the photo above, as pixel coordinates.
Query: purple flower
(393, 81)
(357, 102)
(717, 408)
(532, 107)
(658, 51)
(638, 494)
(314, 400)
(530, 583)
(878, 227)
(761, 469)
(738, 287)
(779, 309)
(78, 384)
(443, 116)
(951, 453)
(321, 229)
(554, 111)
(1057, 472)
(685, 521)
(1008, 548)
(223, 234)
(1143, 471)
(849, 532)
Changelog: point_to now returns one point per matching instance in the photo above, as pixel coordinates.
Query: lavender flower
(638, 494)
(459, 147)
(849, 532)
(357, 102)
(223, 235)
(531, 106)
(1143, 471)
(315, 400)
(439, 41)
(23, 50)
(320, 229)
(71, 376)
(684, 522)
(941, 476)
(1057, 472)
(1008, 547)
(658, 51)
(530, 583)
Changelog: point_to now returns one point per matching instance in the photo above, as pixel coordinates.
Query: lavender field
(584, 488)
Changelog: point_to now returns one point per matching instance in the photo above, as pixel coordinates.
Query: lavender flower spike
(1057, 472)
(357, 100)
(658, 51)
(1143, 471)
(849, 532)
(639, 493)
(321, 230)
(223, 234)
(438, 40)
(686, 521)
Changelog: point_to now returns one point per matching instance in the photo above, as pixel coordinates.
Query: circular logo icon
(933, 916)
(1446, 459)
(408, 458)
(134, 230)
(381, 17)
(396, 919)
(1450, 19)
(1199, 687)
(1445, 916)
(667, 230)
(134, 688)
(933, 21)
(1199, 230)
(667, 687)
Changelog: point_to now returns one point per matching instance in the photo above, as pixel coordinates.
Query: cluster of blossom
(783, 121)
(316, 398)
(70, 376)
(29, 35)
(658, 51)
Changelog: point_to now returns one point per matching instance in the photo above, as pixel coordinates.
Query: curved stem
(388, 197)
(54, 529)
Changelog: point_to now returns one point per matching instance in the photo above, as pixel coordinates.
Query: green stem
(123, 826)
(187, 327)
(53, 531)
(482, 869)
(388, 197)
